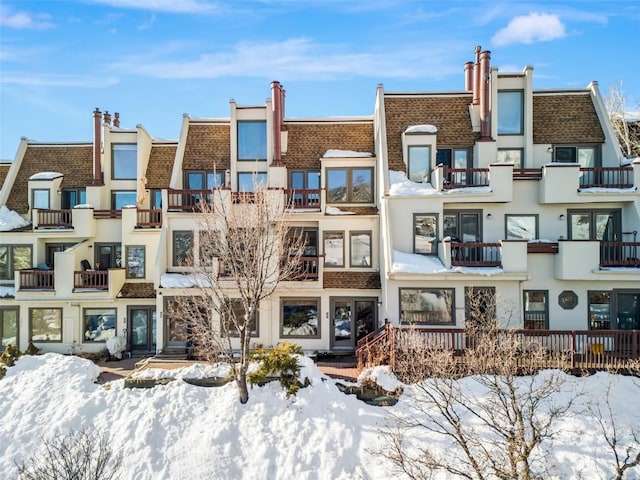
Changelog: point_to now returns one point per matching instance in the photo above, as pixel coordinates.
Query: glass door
(341, 324)
(8, 327)
(142, 328)
(628, 310)
(352, 319)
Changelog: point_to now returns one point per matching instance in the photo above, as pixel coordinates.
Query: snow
(7, 292)
(179, 280)
(607, 190)
(181, 431)
(400, 185)
(628, 161)
(46, 176)
(334, 153)
(10, 219)
(83, 205)
(414, 263)
(421, 129)
(336, 211)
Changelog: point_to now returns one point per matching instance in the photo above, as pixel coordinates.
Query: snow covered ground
(180, 431)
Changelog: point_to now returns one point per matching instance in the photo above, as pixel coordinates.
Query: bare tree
(628, 132)
(246, 248)
(77, 455)
(480, 394)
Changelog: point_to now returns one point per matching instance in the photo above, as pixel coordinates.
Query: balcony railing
(303, 199)
(606, 177)
(527, 173)
(149, 218)
(91, 279)
(55, 218)
(620, 254)
(307, 268)
(465, 177)
(102, 214)
(475, 254)
(188, 200)
(33, 279)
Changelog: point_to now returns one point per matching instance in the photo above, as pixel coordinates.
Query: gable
(160, 166)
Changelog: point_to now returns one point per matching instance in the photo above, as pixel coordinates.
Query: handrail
(475, 254)
(606, 177)
(465, 177)
(55, 218)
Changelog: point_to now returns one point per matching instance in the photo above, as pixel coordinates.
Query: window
(333, 249)
(122, 198)
(98, 324)
(203, 179)
(249, 181)
(301, 181)
(40, 199)
(360, 249)
(300, 317)
(45, 324)
(454, 157)
(208, 247)
(427, 306)
(536, 310)
(52, 249)
(124, 158)
(425, 233)
(511, 155)
(252, 140)
(108, 255)
(521, 227)
(9, 326)
(156, 198)
(511, 112)
(586, 156)
(235, 310)
(182, 248)
(350, 185)
(463, 225)
(135, 257)
(14, 257)
(601, 225)
(480, 307)
(419, 163)
(73, 197)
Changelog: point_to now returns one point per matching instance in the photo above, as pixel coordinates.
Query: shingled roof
(4, 170)
(160, 165)
(308, 141)
(137, 290)
(75, 162)
(208, 145)
(450, 113)
(567, 118)
(346, 279)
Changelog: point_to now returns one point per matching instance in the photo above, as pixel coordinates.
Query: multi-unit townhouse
(516, 194)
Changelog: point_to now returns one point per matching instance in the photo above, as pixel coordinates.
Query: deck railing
(465, 177)
(303, 198)
(620, 254)
(187, 200)
(33, 279)
(55, 218)
(527, 173)
(151, 218)
(307, 268)
(606, 177)
(102, 214)
(475, 254)
(91, 279)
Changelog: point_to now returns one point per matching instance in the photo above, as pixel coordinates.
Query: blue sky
(153, 60)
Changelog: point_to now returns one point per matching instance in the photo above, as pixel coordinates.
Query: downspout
(97, 148)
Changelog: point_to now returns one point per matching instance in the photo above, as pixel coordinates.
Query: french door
(142, 328)
(351, 319)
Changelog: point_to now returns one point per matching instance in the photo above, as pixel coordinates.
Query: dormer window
(124, 161)
(419, 163)
(349, 185)
(252, 140)
(511, 112)
(41, 199)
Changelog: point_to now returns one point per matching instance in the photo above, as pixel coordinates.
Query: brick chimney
(116, 120)
(97, 148)
(485, 115)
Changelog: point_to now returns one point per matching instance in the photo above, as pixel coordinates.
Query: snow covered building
(520, 194)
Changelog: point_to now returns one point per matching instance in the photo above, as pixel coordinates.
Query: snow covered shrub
(32, 349)
(10, 355)
(76, 455)
(280, 362)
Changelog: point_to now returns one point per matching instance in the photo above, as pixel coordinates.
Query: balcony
(475, 254)
(303, 199)
(35, 279)
(151, 218)
(91, 279)
(595, 260)
(620, 254)
(55, 218)
(606, 177)
(307, 269)
(187, 200)
(465, 177)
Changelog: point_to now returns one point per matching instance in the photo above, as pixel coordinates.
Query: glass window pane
(313, 180)
(125, 158)
(361, 249)
(41, 199)
(135, 262)
(425, 234)
(334, 249)
(470, 227)
(252, 140)
(521, 227)
(605, 229)
(511, 156)
(450, 226)
(5, 271)
(426, 306)
(587, 157)
(443, 156)
(461, 158)
(599, 310)
(300, 318)
(510, 113)
(99, 324)
(215, 180)
(565, 155)
(535, 310)
(580, 226)
(9, 327)
(247, 182)
(419, 163)
(45, 324)
(123, 199)
(336, 185)
(297, 180)
(21, 256)
(182, 248)
(362, 185)
(195, 181)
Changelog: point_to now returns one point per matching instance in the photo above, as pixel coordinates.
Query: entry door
(627, 307)
(142, 328)
(351, 319)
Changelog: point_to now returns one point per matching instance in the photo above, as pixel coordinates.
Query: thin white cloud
(25, 20)
(56, 80)
(170, 6)
(293, 59)
(535, 27)
(147, 24)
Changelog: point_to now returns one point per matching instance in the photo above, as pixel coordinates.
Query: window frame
(34, 192)
(57, 309)
(3, 310)
(318, 305)
(427, 177)
(115, 147)
(103, 311)
(349, 171)
(239, 139)
(78, 192)
(592, 212)
(591, 319)
(576, 147)
(545, 294)
(217, 175)
(261, 179)
(460, 224)
(488, 292)
(115, 248)
(339, 234)
(451, 292)
(517, 164)
(509, 216)
(502, 93)
(114, 194)
(174, 256)
(434, 250)
(452, 160)
(354, 233)
(11, 259)
(127, 250)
